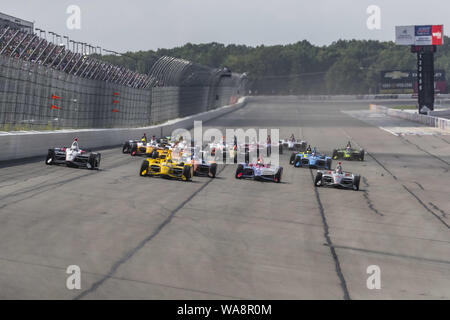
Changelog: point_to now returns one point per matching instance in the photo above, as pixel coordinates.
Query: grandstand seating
(28, 46)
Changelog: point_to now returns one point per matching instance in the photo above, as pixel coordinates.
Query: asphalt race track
(148, 238)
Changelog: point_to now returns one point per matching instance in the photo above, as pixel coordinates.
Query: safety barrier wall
(37, 97)
(367, 97)
(436, 122)
(27, 144)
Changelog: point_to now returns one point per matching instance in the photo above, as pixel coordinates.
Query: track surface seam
(405, 187)
(133, 251)
(330, 243)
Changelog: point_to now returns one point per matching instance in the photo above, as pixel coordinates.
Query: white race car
(259, 171)
(337, 179)
(293, 144)
(73, 157)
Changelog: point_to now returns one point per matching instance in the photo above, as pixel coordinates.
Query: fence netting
(34, 96)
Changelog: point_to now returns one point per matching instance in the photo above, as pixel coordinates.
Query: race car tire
(280, 149)
(318, 179)
(93, 161)
(50, 157)
(187, 173)
(329, 163)
(278, 175)
(144, 168)
(99, 158)
(126, 148)
(361, 155)
(247, 155)
(133, 149)
(292, 159)
(356, 183)
(335, 154)
(298, 159)
(213, 170)
(239, 171)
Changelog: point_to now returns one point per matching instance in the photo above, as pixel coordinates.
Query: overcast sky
(150, 24)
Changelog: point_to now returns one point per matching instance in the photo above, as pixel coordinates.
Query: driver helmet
(74, 144)
(339, 168)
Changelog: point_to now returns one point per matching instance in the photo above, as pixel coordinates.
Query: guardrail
(368, 97)
(436, 122)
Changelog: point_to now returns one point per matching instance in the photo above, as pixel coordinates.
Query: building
(16, 23)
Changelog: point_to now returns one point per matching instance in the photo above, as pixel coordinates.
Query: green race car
(348, 153)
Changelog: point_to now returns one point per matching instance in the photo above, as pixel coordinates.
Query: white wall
(27, 144)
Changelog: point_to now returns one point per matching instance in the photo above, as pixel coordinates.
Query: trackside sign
(426, 35)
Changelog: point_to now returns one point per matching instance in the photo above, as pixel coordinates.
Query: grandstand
(19, 40)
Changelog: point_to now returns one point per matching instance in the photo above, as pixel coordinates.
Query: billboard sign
(426, 35)
(423, 36)
(405, 35)
(406, 81)
(437, 34)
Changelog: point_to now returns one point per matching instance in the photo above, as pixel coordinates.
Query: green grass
(404, 107)
(17, 127)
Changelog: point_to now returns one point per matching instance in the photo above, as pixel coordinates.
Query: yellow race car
(167, 167)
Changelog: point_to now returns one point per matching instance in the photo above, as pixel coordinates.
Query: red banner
(437, 35)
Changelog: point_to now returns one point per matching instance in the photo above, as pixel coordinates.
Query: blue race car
(312, 160)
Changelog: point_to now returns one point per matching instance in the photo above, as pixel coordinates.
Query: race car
(167, 168)
(198, 158)
(337, 178)
(128, 145)
(292, 144)
(259, 171)
(146, 148)
(348, 153)
(73, 157)
(220, 150)
(126, 148)
(246, 149)
(311, 160)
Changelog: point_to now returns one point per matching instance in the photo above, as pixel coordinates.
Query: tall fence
(33, 96)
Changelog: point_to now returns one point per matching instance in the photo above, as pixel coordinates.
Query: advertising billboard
(405, 81)
(405, 35)
(426, 35)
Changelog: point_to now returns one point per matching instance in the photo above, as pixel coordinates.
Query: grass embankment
(404, 107)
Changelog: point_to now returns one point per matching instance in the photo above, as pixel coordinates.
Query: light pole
(73, 45)
(53, 34)
(40, 32)
(67, 38)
